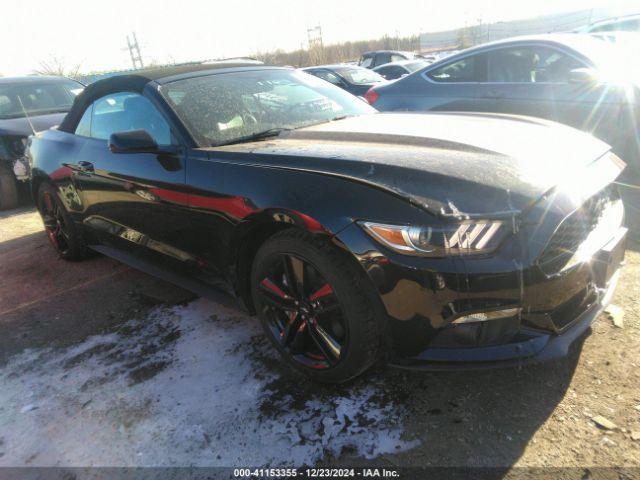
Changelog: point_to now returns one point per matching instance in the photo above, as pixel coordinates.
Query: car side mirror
(134, 141)
(583, 76)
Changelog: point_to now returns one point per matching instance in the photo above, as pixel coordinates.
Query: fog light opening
(486, 316)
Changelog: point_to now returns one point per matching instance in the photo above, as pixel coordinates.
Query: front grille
(573, 231)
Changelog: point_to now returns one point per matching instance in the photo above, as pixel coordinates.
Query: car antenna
(24, 110)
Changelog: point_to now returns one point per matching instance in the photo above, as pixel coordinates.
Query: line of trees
(316, 54)
(338, 52)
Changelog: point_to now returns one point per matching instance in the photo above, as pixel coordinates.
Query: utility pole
(314, 35)
(134, 51)
(316, 48)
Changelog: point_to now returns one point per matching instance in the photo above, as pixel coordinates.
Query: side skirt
(188, 283)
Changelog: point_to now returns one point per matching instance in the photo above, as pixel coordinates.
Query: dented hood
(450, 164)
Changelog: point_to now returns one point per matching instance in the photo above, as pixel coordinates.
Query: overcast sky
(93, 33)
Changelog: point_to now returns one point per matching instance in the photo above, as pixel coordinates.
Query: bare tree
(58, 66)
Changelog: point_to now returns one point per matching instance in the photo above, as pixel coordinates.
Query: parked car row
(395, 70)
(381, 57)
(352, 78)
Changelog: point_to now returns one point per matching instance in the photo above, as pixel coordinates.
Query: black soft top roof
(137, 81)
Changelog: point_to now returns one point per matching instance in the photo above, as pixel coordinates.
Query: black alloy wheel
(59, 226)
(316, 306)
(54, 223)
(303, 312)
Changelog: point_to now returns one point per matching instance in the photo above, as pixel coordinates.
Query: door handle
(85, 166)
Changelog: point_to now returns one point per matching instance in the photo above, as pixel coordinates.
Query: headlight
(471, 238)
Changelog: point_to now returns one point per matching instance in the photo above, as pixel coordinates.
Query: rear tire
(337, 328)
(64, 235)
(8, 187)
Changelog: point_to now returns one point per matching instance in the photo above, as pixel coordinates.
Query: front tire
(8, 187)
(63, 234)
(316, 307)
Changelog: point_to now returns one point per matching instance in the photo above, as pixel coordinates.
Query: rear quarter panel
(50, 153)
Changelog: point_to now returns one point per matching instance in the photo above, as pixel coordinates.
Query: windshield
(359, 75)
(221, 108)
(37, 98)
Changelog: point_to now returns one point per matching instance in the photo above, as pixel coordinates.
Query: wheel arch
(256, 231)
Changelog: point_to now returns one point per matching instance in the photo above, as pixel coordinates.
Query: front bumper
(531, 347)
(424, 298)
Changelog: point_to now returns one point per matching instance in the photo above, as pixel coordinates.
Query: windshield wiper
(271, 132)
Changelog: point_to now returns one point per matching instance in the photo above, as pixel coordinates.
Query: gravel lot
(104, 365)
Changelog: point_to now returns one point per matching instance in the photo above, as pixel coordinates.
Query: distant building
(487, 32)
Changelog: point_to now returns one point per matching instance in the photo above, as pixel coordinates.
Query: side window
(397, 58)
(84, 126)
(366, 62)
(530, 65)
(468, 69)
(384, 71)
(397, 72)
(391, 72)
(603, 28)
(126, 111)
(382, 58)
(629, 26)
(6, 105)
(328, 76)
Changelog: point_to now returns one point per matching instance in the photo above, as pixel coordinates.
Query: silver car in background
(584, 81)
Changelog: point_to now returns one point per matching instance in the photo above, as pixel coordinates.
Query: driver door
(133, 201)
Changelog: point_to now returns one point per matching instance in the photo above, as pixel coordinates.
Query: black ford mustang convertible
(427, 240)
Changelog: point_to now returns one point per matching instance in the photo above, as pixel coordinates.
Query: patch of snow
(28, 408)
(193, 385)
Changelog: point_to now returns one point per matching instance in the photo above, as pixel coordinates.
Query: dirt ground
(104, 365)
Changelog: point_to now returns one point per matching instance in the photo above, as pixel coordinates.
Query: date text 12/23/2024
(315, 473)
